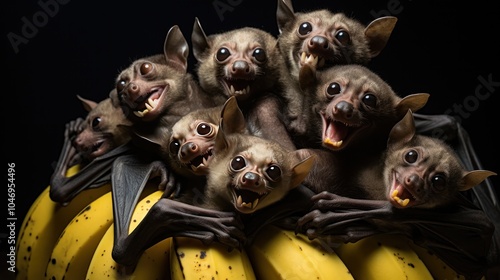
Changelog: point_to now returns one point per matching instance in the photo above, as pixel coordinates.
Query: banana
(383, 257)
(153, 264)
(42, 225)
(281, 254)
(191, 259)
(438, 268)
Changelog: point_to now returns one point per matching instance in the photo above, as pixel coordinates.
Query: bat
(415, 187)
(246, 174)
(246, 63)
(322, 39)
(353, 111)
(91, 144)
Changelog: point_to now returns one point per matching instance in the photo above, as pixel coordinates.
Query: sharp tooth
(395, 193)
(255, 202)
(194, 168)
(247, 205)
(149, 107)
(231, 89)
(139, 114)
(303, 57)
(239, 200)
(152, 103)
(329, 141)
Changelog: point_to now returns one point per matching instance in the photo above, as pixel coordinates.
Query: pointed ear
(413, 102)
(88, 105)
(378, 32)
(307, 77)
(199, 40)
(234, 121)
(176, 49)
(284, 13)
(301, 170)
(403, 131)
(113, 95)
(474, 178)
(221, 143)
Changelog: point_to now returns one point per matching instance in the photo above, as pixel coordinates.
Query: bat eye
(174, 146)
(222, 54)
(274, 172)
(438, 182)
(146, 68)
(370, 100)
(203, 129)
(333, 89)
(238, 163)
(305, 28)
(96, 122)
(411, 156)
(343, 37)
(259, 54)
(120, 85)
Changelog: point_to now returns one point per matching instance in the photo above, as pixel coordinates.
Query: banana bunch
(75, 242)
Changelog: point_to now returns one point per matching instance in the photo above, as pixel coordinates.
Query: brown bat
(246, 174)
(86, 140)
(414, 187)
(354, 110)
(246, 63)
(322, 39)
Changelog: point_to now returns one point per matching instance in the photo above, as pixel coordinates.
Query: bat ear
(176, 49)
(403, 131)
(88, 105)
(234, 121)
(199, 40)
(413, 102)
(284, 14)
(301, 169)
(113, 95)
(378, 33)
(474, 178)
(221, 142)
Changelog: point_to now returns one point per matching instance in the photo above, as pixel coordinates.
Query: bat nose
(318, 43)
(133, 88)
(345, 108)
(240, 67)
(414, 181)
(188, 149)
(250, 179)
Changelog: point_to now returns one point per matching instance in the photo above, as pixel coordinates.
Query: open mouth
(148, 102)
(200, 163)
(336, 134)
(246, 200)
(400, 196)
(237, 87)
(315, 61)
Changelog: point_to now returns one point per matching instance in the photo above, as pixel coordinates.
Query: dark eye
(238, 163)
(174, 146)
(146, 68)
(120, 85)
(305, 28)
(96, 122)
(370, 100)
(259, 54)
(411, 156)
(222, 54)
(438, 182)
(203, 129)
(343, 37)
(274, 172)
(333, 89)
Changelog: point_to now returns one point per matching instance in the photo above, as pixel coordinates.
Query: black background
(438, 47)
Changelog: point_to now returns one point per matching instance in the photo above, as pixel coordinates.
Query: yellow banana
(191, 259)
(438, 268)
(383, 257)
(42, 225)
(153, 264)
(280, 254)
(75, 247)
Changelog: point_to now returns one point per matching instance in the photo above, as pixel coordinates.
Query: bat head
(149, 85)
(323, 39)
(357, 107)
(421, 171)
(250, 173)
(102, 129)
(244, 62)
(190, 148)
